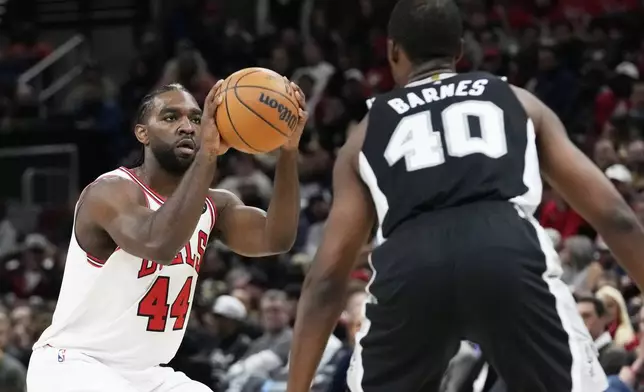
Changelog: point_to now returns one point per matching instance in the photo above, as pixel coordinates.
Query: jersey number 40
(415, 139)
(154, 305)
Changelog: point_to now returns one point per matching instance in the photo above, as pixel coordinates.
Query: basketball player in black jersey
(448, 165)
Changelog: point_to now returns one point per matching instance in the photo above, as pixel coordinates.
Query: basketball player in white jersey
(137, 246)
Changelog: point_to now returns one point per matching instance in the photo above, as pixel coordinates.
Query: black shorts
(484, 273)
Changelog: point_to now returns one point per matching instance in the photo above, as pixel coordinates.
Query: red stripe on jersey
(213, 212)
(95, 259)
(158, 198)
(93, 263)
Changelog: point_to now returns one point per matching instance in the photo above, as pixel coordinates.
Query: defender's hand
(294, 141)
(211, 141)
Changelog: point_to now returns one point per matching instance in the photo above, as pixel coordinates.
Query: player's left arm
(347, 230)
(253, 232)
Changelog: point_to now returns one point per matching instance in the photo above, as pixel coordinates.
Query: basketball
(259, 111)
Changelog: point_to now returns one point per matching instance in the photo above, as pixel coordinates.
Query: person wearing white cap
(619, 173)
(229, 307)
(622, 178)
(231, 343)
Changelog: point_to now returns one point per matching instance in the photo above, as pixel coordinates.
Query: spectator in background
(312, 223)
(635, 162)
(554, 84)
(8, 233)
(281, 63)
(270, 351)
(630, 378)
(581, 269)
(622, 178)
(614, 99)
(638, 207)
(221, 343)
(93, 82)
(25, 44)
(93, 101)
(604, 154)
(26, 275)
(352, 318)
(232, 343)
(189, 69)
(557, 214)
(245, 174)
(22, 334)
(619, 323)
(25, 50)
(13, 374)
(611, 357)
(637, 103)
(318, 69)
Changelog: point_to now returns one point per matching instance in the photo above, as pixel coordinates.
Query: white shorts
(54, 370)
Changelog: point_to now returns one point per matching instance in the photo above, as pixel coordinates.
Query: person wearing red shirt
(558, 215)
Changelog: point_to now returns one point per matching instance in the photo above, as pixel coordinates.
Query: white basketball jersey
(125, 311)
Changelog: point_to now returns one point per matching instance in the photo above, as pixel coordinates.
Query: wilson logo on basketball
(286, 114)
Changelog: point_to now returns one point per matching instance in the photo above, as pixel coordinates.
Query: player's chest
(186, 262)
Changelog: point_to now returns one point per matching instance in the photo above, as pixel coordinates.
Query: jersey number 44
(154, 305)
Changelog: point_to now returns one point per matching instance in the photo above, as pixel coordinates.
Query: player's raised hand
(294, 141)
(211, 141)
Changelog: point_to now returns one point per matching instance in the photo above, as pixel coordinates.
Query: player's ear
(141, 134)
(393, 52)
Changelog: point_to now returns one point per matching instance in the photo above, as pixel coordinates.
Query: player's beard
(169, 161)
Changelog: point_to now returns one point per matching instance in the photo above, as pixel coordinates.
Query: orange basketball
(258, 113)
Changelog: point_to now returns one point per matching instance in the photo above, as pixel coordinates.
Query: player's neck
(427, 69)
(154, 176)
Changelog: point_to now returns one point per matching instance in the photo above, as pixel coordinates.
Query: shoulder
(105, 197)
(112, 189)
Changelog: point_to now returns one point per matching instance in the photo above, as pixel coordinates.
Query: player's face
(173, 130)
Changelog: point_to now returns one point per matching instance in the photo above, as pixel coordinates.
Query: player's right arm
(586, 188)
(117, 206)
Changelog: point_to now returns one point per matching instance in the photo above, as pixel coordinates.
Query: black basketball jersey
(446, 141)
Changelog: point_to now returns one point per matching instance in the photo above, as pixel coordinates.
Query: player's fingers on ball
(209, 97)
(300, 99)
(287, 84)
(298, 89)
(303, 114)
(212, 94)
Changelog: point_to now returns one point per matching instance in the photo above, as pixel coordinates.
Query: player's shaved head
(427, 29)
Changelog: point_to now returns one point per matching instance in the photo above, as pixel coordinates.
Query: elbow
(281, 244)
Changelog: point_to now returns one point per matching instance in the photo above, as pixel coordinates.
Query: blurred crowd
(582, 58)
